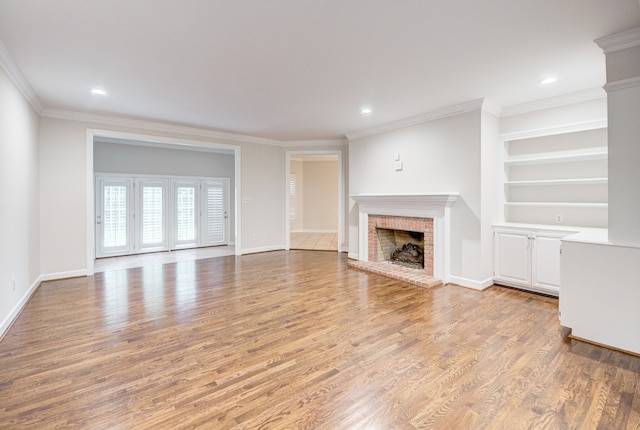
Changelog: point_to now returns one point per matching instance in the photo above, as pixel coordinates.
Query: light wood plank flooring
(314, 241)
(297, 340)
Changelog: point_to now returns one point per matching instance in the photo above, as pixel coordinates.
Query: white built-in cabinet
(528, 258)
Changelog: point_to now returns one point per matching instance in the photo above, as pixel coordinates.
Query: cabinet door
(546, 263)
(512, 258)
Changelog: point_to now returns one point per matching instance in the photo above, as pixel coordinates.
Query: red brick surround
(422, 225)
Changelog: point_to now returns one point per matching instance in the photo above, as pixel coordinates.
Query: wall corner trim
(19, 80)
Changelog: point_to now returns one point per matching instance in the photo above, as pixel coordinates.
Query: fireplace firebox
(389, 234)
(402, 247)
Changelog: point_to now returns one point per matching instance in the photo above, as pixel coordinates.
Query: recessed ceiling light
(366, 111)
(547, 81)
(98, 91)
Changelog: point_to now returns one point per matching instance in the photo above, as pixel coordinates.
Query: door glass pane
(152, 209)
(115, 216)
(186, 213)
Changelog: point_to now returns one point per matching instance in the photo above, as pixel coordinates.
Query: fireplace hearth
(426, 213)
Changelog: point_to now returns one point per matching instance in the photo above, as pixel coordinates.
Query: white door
(513, 258)
(215, 219)
(151, 214)
(186, 213)
(113, 217)
(546, 263)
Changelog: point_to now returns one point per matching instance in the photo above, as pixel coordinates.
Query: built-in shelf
(557, 178)
(558, 204)
(598, 153)
(581, 181)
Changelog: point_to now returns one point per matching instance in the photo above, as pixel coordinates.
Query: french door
(114, 213)
(135, 215)
(200, 213)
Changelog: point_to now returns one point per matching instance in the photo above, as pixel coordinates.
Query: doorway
(154, 176)
(314, 200)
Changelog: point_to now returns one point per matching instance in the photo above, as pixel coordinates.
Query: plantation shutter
(214, 216)
(186, 213)
(115, 216)
(152, 209)
(293, 197)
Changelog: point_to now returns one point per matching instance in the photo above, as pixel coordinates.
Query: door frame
(160, 142)
(341, 217)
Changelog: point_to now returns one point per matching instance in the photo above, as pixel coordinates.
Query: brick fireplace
(428, 214)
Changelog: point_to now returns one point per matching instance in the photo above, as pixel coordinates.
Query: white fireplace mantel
(436, 206)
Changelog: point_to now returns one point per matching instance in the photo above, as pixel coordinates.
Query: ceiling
(303, 69)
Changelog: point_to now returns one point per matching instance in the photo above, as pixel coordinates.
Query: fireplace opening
(402, 247)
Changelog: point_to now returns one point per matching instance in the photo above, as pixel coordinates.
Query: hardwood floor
(297, 340)
(163, 257)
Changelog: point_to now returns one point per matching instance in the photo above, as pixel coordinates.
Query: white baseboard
(63, 275)
(17, 309)
(470, 283)
(351, 255)
(316, 231)
(262, 249)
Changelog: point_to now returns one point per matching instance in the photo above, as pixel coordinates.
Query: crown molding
(160, 127)
(15, 74)
(620, 41)
(622, 84)
(552, 102)
(157, 127)
(419, 119)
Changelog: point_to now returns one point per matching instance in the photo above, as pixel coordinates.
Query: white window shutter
(214, 217)
(185, 213)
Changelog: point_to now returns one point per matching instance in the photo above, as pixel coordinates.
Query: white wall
(443, 155)
(63, 175)
(19, 216)
(320, 196)
(263, 193)
(555, 119)
(491, 186)
(63, 198)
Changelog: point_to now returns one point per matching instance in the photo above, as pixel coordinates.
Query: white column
(622, 53)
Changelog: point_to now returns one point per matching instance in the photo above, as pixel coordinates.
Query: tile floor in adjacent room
(314, 241)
